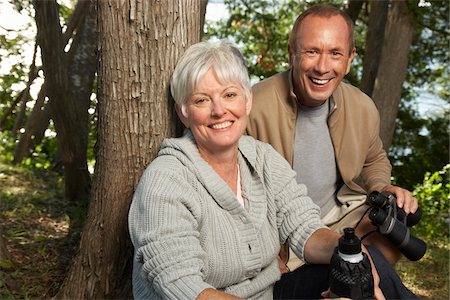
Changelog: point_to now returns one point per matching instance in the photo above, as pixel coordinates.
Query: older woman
(211, 211)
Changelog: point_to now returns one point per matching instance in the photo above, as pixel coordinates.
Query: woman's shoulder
(259, 152)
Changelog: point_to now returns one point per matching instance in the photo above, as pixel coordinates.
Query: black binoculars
(393, 223)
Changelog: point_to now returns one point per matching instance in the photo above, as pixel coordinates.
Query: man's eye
(311, 52)
(336, 54)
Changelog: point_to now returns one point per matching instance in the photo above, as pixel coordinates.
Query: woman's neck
(225, 164)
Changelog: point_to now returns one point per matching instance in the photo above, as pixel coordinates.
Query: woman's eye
(230, 95)
(200, 101)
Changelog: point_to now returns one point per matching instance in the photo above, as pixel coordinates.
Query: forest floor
(36, 223)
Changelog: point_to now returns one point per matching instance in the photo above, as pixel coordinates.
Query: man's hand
(404, 197)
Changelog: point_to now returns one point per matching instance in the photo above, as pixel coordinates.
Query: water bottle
(350, 269)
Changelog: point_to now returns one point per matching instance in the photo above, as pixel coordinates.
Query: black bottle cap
(349, 243)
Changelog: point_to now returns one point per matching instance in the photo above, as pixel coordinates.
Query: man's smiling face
(321, 59)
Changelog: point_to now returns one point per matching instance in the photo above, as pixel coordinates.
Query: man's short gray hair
(226, 60)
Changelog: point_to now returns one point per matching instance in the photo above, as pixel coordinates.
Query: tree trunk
(140, 43)
(10, 111)
(374, 43)
(392, 68)
(32, 74)
(39, 118)
(354, 8)
(68, 111)
(27, 139)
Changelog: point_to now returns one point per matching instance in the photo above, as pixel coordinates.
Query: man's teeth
(319, 81)
(221, 125)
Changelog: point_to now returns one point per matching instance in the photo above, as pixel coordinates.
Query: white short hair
(224, 58)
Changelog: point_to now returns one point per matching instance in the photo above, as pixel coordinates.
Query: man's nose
(323, 63)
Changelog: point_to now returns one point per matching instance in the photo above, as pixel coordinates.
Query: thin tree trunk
(354, 8)
(27, 139)
(38, 120)
(141, 41)
(66, 110)
(9, 111)
(32, 74)
(20, 114)
(392, 68)
(374, 44)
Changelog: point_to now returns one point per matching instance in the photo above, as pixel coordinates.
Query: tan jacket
(354, 128)
(354, 124)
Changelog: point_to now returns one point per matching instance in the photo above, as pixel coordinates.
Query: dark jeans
(309, 281)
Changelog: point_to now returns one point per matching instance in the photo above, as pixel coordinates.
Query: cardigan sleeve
(164, 230)
(297, 215)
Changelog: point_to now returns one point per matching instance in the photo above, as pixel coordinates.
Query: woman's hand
(376, 279)
(327, 295)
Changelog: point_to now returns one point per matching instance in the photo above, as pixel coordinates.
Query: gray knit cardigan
(190, 232)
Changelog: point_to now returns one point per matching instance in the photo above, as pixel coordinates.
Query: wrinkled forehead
(329, 30)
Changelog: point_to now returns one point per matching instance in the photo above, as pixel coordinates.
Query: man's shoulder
(351, 96)
(278, 82)
(348, 90)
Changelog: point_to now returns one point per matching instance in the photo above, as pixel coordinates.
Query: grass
(36, 220)
(429, 277)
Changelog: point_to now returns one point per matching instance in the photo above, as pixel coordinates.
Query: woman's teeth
(221, 125)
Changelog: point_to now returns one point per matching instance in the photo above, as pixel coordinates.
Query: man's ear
(182, 114)
(350, 59)
(290, 55)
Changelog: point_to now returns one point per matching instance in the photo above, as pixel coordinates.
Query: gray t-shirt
(314, 159)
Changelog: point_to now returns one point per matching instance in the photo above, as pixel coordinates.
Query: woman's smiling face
(216, 113)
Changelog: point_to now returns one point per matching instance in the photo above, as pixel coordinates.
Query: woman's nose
(217, 108)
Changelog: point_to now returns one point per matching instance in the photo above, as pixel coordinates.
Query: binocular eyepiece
(393, 223)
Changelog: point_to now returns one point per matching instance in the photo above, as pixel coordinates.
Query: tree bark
(392, 68)
(27, 139)
(9, 112)
(68, 110)
(32, 74)
(374, 43)
(39, 118)
(354, 8)
(140, 43)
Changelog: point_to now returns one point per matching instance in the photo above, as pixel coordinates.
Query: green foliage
(420, 146)
(40, 159)
(261, 29)
(429, 52)
(434, 196)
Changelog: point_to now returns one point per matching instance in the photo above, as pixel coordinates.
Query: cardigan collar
(185, 150)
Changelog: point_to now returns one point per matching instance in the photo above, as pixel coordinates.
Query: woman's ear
(182, 114)
(248, 104)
